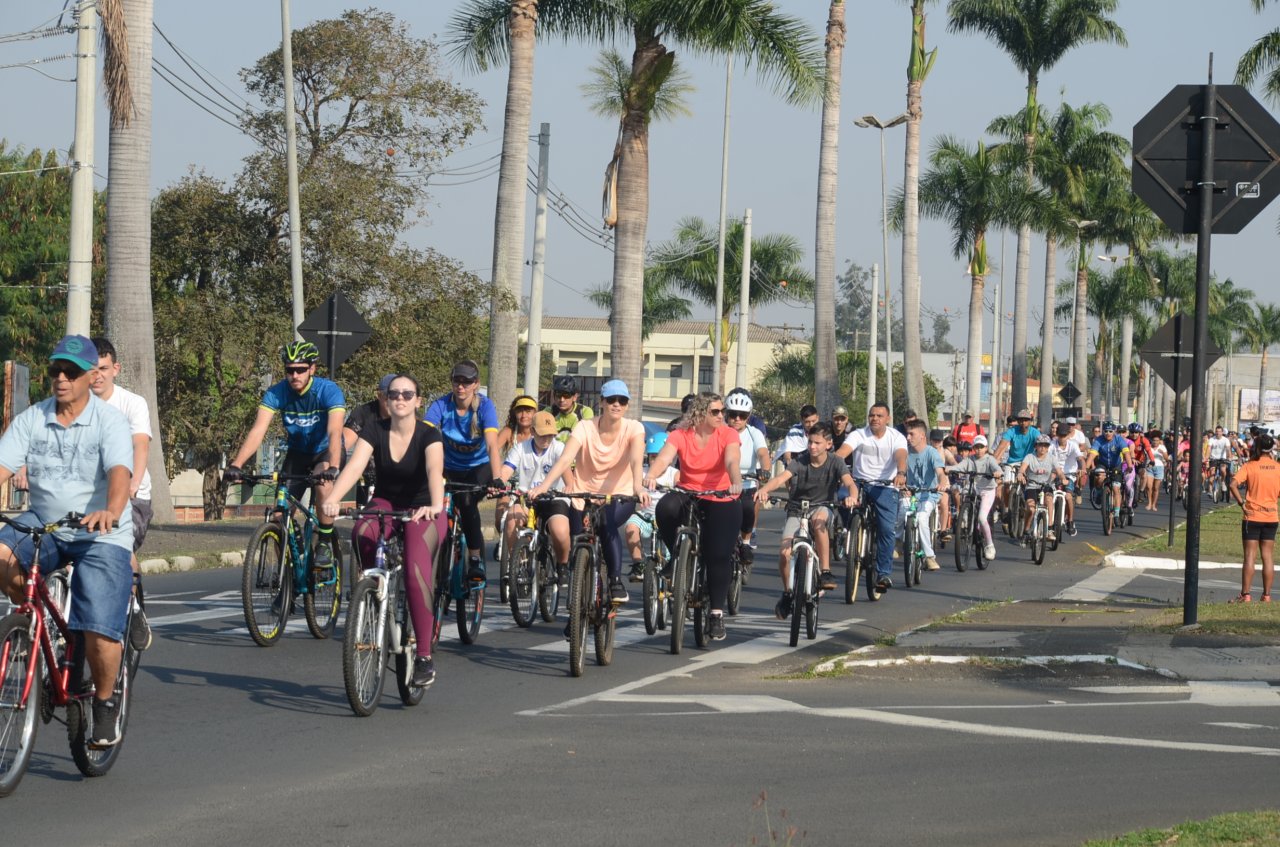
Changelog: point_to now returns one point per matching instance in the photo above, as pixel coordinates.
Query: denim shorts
(101, 584)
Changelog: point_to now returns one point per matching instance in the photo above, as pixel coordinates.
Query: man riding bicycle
(1016, 443)
(1110, 452)
(78, 453)
(880, 466)
(312, 409)
(1219, 453)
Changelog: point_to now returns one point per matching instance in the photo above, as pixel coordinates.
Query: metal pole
(744, 302)
(888, 301)
(291, 157)
(996, 343)
(80, 267)
(533, 344)
(1208, 131)
(1177, 430)
(874, 347)
(724, 202)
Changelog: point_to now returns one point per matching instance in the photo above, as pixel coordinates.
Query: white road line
(192, 617)
(1098, 586)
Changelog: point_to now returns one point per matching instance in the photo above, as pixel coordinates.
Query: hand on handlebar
(329, 510)
(99, 521)
(231, 474)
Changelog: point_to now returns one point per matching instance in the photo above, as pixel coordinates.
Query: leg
(923, 510)
(720, 522)
(1250, 542)
(421, 541)
(367, 531)
(818, 523)
(1267, 547)
(885, 501)
(986, 500)
(558, 527)
(668, 515)
(613, 516)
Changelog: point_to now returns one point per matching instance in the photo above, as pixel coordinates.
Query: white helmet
(738, 403)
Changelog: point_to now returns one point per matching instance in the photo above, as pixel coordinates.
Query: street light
(873, 122)
(1076, 347)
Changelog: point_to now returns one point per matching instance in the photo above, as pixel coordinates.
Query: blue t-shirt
(67, 465)
(464, 444)
(922, 468)
(1021, 444)
(1109, 452)
(305, 415)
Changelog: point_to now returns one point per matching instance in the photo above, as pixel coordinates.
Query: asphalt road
(230, 743)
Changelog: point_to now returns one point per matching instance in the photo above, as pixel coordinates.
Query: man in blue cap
(78, 453)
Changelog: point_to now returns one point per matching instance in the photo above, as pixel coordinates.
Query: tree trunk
(129, 319)
(1080, 339)
(214, 493)
(1126, 360)
(973, 370)
(826, 386)
(1021, 298)
(508, 228)
(1100, 356)
(1262, 387)
(1046, 332)
(914, 375)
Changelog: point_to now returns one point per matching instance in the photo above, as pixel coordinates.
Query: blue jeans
(885, 501)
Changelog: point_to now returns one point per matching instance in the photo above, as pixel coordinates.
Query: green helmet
(299, 351)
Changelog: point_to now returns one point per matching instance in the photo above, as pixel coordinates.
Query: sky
(773, 147)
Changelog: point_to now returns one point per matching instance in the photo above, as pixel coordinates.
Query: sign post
(337, 329)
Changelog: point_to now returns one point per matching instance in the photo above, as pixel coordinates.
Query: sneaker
(945, 535)
(931, 564)
(637, 572)
(782, 610)
(139, 629)
(1071, 528)
(745, 554)
(562, 574)
(568, 636)
(752, 543)
(497, 553)
(424, 672)
(715, 627)
(884, 583)
(1025, 540)
(322, 559)
(826, 581)
(618, 592)
(475, 571)
(989, 552)
(106, 723)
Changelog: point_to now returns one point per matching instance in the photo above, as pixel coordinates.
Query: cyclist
(639, 526)
(1218, 451)
(1110, 451)
(816, 478)
(926, 469)
(79, 457)
(1015, 444)
(519, 427)
(312, 409)
(408, 458)
(796, 443)
(1140, 447)
(565, 407)
(988, 473)
(967, 429)
(609, 454)
(1067, 458)
(880, 465)
(1035, 473)
(709, 461)
(468, 423)
(753, 456)
(526, 464)
(1155, 474)
(1261, 476)
(366, 414)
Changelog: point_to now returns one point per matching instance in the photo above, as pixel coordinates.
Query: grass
(964, 614)
(1250, 829)
(1219, 537)
(1260, 619)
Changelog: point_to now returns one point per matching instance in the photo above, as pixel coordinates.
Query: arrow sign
(337, 329)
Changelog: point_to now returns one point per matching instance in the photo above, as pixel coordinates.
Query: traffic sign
(337, 329)
(1169, 352)
(1246, 166)
(1069, 393)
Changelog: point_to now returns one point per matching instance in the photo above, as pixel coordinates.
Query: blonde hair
(698, 409)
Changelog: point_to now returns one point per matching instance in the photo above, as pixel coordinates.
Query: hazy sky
(773, 147)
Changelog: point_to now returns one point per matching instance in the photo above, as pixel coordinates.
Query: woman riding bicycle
(987, 473)
(468, 423)
(519, 429)
(709, 461)
(609, 453)
(408, 460)
(753, 458)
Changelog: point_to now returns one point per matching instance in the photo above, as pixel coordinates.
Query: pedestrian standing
(1261, 478)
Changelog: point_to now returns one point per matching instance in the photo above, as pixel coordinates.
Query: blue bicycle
(452, 586)
(278, 565)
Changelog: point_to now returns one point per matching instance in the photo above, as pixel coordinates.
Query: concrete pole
(717, 332)
(874, 347)
(533, 345)
(744, 302)
(291, 157)
(80, 268)
(888, 302)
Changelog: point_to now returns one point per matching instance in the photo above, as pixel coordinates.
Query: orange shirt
(702, 466)
(606, 468)
(1262, 476)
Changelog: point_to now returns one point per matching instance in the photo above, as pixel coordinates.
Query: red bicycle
(42, 668)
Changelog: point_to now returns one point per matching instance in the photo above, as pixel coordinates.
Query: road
(232, 744)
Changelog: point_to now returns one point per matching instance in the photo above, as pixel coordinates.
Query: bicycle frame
(297, 535)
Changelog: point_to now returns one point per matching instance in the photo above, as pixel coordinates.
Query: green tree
(1260, 331)
(1262, 59)
(660, 303)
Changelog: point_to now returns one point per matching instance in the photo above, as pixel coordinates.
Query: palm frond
(115, 62)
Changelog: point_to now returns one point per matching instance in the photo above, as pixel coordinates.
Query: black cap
(466, 369)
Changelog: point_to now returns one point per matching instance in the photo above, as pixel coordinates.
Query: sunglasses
(738, 416)
(617, 400)
(401, 394)
(69, 370)
(462, 380)
(717, 412)
(300, 369)
(563, 395)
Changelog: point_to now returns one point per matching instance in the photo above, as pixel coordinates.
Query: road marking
(1249, 693)
(1098, 586)
(192, 617)
(1230, 725)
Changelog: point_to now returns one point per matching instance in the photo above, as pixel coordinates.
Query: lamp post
(873, 122)
(1078, 320)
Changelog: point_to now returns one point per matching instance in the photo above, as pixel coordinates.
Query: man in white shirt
(796, 444)
(1068, 458)
(1219, 455)
(880, 468)
(1081, 441)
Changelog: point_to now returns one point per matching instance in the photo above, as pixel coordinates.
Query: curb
(179, 564)
(1125, 560)
(1037, 661)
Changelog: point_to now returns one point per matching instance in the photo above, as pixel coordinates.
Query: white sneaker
(931, 564)
(989, 552)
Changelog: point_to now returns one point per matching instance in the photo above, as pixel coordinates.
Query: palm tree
(919, 64)
(1261, 331)
(972, 190)
(1262, 58)
(688, 262)
(1177, 275)
(1036, 34)
(1231, 309)
(824, 251)
(660, 304)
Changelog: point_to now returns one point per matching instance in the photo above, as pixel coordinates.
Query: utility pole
(996, 345)
(717, 332)
(888, 335)
(80, 267)
(955, 389)
(744, 302)
(874, 347)
(533, 345)
(291, 157)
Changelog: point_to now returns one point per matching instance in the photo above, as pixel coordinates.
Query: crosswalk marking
(1098, 586)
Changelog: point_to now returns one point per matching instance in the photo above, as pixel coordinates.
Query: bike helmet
(564, 384)
(1135, 427)
(655, 442)
(299, 351)
(738, 403)
(1108, 427)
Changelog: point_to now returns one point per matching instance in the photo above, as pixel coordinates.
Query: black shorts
(1255, 531)
(551, 508)
(300, 464)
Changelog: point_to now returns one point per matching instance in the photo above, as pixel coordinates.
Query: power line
(162, 74)
(242, 106)
(194, 90)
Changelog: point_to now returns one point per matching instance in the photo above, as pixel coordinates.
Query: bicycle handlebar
(712, 493)
(402, 514)
(71, 520)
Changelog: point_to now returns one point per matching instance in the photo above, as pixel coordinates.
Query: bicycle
(589, 600)
(1012, 515)
(802, 583)
(690, 589)
(42, 668)
(451, 584)
(1058, 516)
(278, 566)
(1113, 510)
(912, 550)
(1222, 471)
(531, 568)
(378, 623)
(864, 541)
(655, 595)
(967, 526)
(1040, 526)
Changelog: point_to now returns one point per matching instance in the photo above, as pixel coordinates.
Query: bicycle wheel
(700, 620)
(324, 595)
(605, 617)
(811, 618)
(909, 542)
(580, 580)
(1059, 521)
(440, 595)
(1095, 496)
(1108, 517)
(650, 598)
(364, 653)
(549, 593)
(1039, 526)
(19, 657)
(410, 694)
(870, 557)
(523, 589)
(962, 530)
(979, 545)
(468, 611)
(679, 588)
(266, 585)
(853, 560)
(800, 598)
(96, 761)
(734, 599)
(664, 598)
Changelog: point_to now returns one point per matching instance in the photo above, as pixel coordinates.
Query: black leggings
(748, 500)
(720, 526)
(613, 517)
(466, 505)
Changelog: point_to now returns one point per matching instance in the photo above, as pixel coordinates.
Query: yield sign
(1169, 351)
(1246, 166)
(337, 329)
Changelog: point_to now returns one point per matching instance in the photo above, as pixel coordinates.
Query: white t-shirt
(1160, 456)
(796, 443)
(873, 457)
(530, 466)
(751, 442)
(1066, 458)
(1079, 439)
(1219, 448)
(134, 408)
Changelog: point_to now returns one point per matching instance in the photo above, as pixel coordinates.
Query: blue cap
(615, 388)
(77, 350)
(385, 383)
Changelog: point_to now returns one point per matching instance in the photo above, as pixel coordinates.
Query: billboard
(1249, 406)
